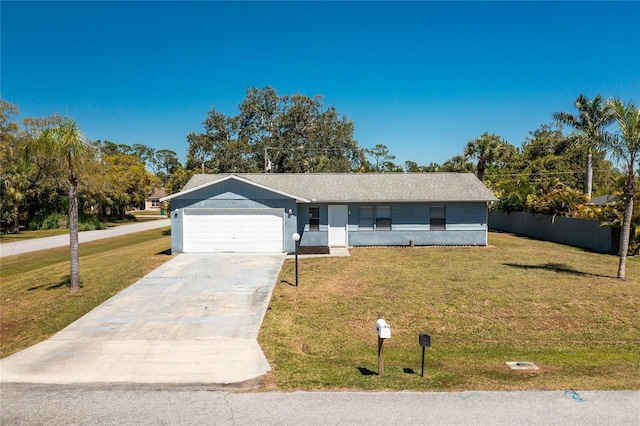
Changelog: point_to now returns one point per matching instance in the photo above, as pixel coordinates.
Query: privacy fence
(583, 233)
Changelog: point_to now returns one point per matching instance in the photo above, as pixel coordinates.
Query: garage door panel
(249, 233)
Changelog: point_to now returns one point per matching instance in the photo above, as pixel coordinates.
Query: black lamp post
(296, 239)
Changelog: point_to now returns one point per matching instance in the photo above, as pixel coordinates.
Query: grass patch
(26, 234)
(519, 300)
(36, 301)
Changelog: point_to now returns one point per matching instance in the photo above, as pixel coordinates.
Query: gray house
(261, 212)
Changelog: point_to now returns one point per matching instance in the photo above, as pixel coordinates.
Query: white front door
(338, 216)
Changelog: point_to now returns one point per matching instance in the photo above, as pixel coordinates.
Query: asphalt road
(10, 249)
(24, 404)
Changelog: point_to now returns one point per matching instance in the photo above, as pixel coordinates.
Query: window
(365, 218)
(383, 218)
(314, 218)
(155, 203)
(380, 216)
(438, 221)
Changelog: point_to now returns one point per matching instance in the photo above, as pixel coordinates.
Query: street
(28, 404)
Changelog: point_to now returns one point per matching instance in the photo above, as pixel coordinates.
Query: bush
(55, 221)
(86, 222)
(89, 222)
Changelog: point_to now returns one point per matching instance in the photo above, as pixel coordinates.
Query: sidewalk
(20, 247)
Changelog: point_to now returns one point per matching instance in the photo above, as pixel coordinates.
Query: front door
(338, 225)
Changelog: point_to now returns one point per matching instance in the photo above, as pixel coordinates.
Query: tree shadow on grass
(287, 282)
(366, 372)
(557, 267)
(64, 282)
(409, 371)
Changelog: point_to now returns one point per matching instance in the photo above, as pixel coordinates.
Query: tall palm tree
(625, 146)
(457, 164)
(593, 116)
(66, 142)
(487, 148)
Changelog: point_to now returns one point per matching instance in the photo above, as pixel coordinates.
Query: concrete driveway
(193, 320)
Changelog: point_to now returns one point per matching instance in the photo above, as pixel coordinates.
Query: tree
(114, 180)
(487, 149)
(164, 163)
(593, 117)
(458, 164)
(13, 180)
(624, 145)
(65, 141)
(277, 134)
(413, 167)
(382, 157)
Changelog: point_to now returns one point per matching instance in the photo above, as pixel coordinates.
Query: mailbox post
(296, 240)
(424, 340)
(384, 332)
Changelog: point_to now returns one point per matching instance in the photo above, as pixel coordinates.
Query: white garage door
(239, 232)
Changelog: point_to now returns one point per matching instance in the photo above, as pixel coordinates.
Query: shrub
(86, 222)
(55, 221)
(89, 222)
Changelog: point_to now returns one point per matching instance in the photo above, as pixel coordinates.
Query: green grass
(26, 234)
(36, 301)
(519, 300)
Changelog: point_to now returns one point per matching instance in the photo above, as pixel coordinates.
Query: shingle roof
(157, 192)
(361, 187)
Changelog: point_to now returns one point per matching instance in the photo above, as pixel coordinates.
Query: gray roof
(359, 187)
(604, 199)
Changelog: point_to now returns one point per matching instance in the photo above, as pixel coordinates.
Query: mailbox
(425, 340)
(384, 330)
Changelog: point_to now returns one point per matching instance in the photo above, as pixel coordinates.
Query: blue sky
(422, 78)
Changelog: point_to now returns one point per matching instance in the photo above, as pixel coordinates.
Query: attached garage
(233, 230)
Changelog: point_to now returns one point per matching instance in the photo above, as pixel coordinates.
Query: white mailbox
(384, 330)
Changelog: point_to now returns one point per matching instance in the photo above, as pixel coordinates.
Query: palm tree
(593, 116)
(457, 164)
(625, 146)
(66, 142)
(487, 148)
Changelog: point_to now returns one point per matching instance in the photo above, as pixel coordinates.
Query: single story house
(153, 200)
(261, 212)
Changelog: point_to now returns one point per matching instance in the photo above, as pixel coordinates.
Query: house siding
(466, 224)
(310, 238)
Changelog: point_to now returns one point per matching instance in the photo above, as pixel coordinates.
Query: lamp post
(296, 239)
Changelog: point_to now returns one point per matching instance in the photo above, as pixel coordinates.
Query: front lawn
(36, 301)
(518, 300)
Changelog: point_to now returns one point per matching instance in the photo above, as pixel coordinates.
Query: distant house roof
(157, 192)
(604, 199)
(357, 187)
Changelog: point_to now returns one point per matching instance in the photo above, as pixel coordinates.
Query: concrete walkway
(20, 247)
(195, 319)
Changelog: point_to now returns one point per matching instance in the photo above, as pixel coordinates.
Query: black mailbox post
(424, 340)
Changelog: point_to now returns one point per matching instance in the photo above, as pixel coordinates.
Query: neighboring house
(153, 200)
(603, 200)
(261, 212)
